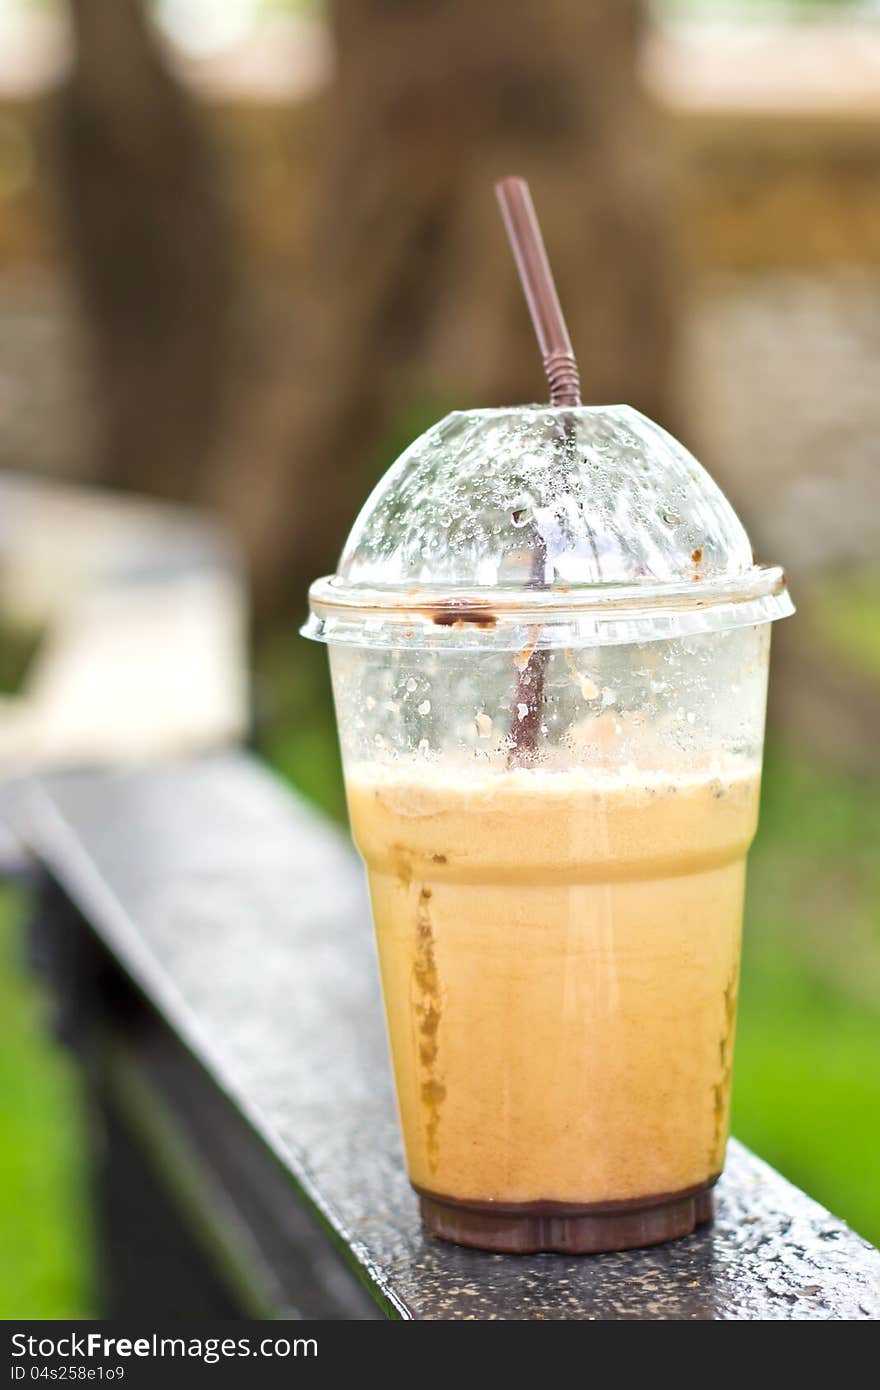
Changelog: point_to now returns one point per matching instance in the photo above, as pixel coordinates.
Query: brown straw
(527, 245)
(561, 368)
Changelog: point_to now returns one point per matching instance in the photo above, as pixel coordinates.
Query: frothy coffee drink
(549, 644)
(560, 955)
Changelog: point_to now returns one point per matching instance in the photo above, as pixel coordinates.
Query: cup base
(567, 1228)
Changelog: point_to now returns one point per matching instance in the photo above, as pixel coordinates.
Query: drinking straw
(563, 378)
(539, 288)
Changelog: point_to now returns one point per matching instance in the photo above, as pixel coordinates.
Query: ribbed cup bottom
(569, 1228)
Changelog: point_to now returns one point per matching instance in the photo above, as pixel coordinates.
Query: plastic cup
(558, 917)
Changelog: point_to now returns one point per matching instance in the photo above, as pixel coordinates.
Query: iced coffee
(559, 957)
(558, 920)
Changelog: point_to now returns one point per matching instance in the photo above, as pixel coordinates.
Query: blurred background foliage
(248, 250)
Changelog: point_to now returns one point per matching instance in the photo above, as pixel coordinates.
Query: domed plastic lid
(589, 522)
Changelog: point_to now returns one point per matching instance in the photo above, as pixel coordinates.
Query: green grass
(806, 1078)
(295, 723)
(807, 1090)
(18, 646)
(45, 1251)
(844, 614)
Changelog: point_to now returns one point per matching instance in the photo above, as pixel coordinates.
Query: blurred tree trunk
(411, 294)
(150, 245)
(408, 303)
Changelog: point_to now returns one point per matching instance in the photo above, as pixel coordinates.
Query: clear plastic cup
(549, 648)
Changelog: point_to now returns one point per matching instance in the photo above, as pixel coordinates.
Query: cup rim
(428, 615)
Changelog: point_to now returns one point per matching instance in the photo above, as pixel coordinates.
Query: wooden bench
(210, 945)
(138, 614)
